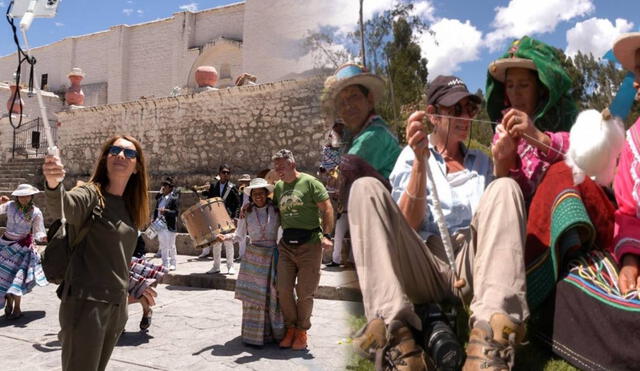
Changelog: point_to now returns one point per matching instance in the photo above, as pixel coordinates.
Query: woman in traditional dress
(261, 317)
(20, 268)
(626, 243)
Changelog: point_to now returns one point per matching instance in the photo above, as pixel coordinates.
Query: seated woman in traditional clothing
(20, 268)
(262, 320)
(626, 242)
(528, 94)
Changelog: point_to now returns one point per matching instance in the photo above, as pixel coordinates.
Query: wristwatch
(327, 236)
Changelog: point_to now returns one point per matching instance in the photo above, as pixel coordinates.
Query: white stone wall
(189, 136)
(148, 59)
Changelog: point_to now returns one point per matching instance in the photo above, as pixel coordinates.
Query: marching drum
(206, 219)
(157, 225)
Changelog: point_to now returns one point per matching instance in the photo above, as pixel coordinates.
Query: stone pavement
(335, 283)
(192, 329)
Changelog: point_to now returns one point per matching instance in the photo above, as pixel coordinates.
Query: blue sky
(469, 33)
(79, 17)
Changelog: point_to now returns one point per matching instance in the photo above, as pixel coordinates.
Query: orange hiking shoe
(288, 338)
(300, 340)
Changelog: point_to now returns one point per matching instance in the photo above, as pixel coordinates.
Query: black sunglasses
(128, 153)
(225, 172)
(470, 108)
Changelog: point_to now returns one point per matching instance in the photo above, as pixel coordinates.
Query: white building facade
(127, 63)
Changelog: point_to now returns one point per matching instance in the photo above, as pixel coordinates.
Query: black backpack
(59, 250)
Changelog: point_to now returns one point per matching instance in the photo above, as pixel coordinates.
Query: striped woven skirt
(262, 320)
(20, 269)
(143, 274)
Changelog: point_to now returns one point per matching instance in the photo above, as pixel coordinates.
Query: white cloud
(595, 35)
(140, 11)
(522, 17)
(129, 2)
(343, 14)
(1, 3)
(59, 24)
(453, 43)
(191, 7)
(424, 10)
(127, 12)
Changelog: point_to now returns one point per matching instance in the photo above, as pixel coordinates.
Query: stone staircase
(17, 171)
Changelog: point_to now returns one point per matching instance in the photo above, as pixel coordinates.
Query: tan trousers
(396, 269)
(302, 262)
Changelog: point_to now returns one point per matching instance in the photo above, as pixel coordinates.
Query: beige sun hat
(624, 48)
(25, 190)
(76, 71)
(245, 178)
(498, 68)
(258, 183)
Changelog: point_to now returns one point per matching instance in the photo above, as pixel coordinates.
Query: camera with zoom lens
(439, 339)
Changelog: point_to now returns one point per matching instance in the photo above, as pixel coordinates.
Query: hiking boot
(492, 345)
(401, 352)
(288, 338)
(370, 338)
(299, 340)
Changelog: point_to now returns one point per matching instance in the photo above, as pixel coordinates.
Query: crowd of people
(511, 223)
(432, 222)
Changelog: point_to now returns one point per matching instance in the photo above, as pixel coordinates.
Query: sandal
(145, 322)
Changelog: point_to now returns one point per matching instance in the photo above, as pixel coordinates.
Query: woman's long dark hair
(135, 193)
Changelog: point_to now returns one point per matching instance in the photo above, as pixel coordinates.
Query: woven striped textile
(20, 269)
(557, 209)
(593, 325)
(143, 274)
(261, 316)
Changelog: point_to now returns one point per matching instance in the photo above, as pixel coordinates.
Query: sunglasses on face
(225, 172)
(471, 109)
(128, 153)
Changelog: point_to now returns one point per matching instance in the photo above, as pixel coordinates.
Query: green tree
(407, 69)
(596, 83)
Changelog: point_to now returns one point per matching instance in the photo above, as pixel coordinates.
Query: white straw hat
(624, 48)
(25, 190)
(258, 183)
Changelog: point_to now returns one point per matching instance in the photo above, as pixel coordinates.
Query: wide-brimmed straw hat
(245, 178)
(25, 190)
(258, 183)
(624, 48)
(498, 68)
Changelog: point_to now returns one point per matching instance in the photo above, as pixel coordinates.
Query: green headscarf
(559, 111)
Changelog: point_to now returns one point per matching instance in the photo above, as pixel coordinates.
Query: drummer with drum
(165, 219)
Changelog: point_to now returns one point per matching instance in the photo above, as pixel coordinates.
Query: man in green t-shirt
(304, 208)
